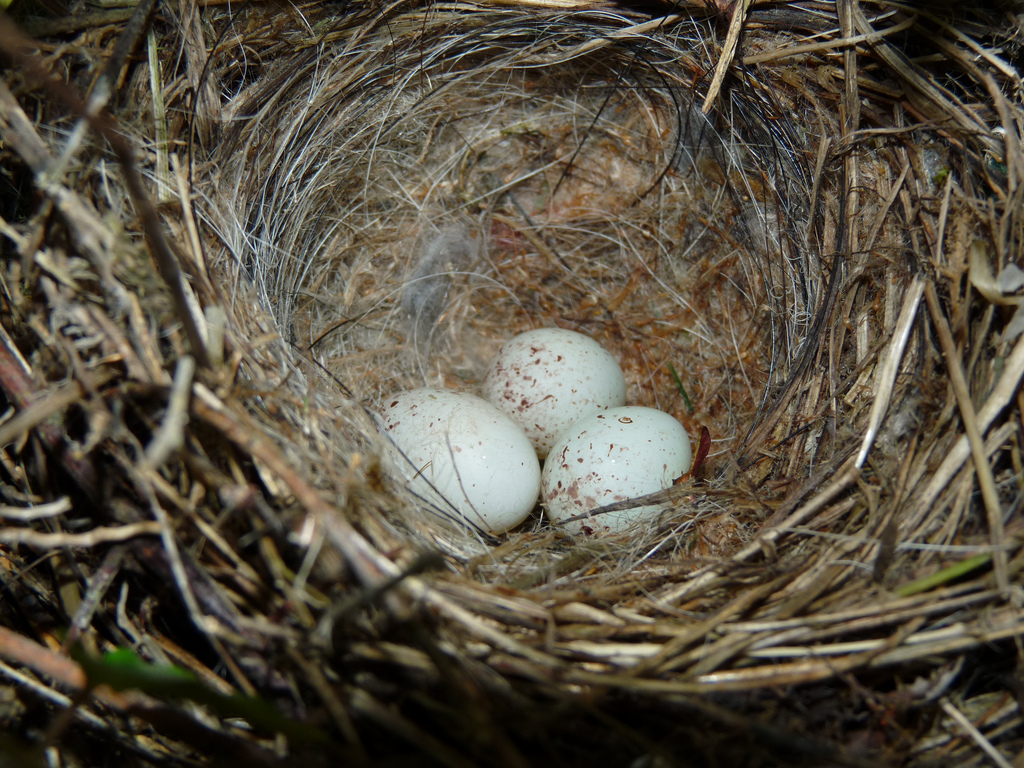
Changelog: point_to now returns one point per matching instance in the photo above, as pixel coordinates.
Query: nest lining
(835, 583)
(464, 178)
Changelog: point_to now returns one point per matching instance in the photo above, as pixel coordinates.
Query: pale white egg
(550, 378)
(613, 456)
(463, 456)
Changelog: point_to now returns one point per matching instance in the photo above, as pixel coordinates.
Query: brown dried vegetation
(207, 282)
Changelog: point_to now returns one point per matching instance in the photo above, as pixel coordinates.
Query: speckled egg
(613, 456)
(550, 378)
(462, 456)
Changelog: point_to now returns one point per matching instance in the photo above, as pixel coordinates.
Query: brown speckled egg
(613, 456)
(462, 456)
(548, 379)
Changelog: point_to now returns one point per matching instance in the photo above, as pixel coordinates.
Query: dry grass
(189, 469)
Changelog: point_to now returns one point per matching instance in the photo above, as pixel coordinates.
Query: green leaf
(123, 669)
(682, 390)
(945, 575)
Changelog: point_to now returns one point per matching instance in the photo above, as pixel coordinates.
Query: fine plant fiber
(814, 262)
(583, 169)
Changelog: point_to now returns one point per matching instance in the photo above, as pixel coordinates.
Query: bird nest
(230, 232)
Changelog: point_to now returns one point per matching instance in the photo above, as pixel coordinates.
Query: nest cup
(407, 199)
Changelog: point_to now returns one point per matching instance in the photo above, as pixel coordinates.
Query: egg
(550, 378)
(463, 456)
(612, 456)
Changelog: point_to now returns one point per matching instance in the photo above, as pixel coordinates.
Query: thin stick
(163, 173)
(36, 511)
(732, 39)
(1002, 394)
(55, 697)
(102, 535)
(986, 481)
(19, 49)
(100, 95)
(943, 105)
(53, 665)
(847, 476)
(890, 367)
(828, 45)
(39, 412)
(979, 738)
(170, 436)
